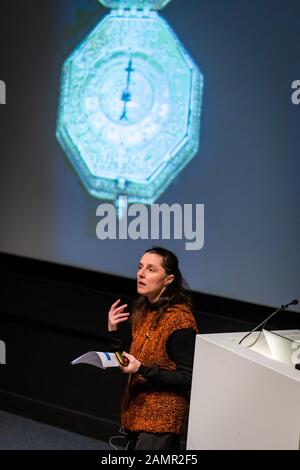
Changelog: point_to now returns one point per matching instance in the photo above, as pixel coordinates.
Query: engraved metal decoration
(139, 4)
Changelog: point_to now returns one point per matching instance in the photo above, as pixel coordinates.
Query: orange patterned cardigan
(146, 406)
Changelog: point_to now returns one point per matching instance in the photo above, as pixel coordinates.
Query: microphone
(283, 307)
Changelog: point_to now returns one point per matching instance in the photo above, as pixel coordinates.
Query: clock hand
(126, 94)
(129, 70)
(124, 112)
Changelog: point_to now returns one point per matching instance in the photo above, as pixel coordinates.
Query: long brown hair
(177, 291)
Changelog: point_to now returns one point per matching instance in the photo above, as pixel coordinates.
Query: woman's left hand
(133, 366)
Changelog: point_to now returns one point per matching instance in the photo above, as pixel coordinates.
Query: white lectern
(241, 398)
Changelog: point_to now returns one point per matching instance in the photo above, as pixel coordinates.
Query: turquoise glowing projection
(130, 104)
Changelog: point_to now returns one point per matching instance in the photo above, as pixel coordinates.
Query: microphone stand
(283, 307)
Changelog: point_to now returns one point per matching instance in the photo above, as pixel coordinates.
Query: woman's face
(152, 278)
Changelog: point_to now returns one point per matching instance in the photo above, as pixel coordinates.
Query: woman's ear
(169, 279)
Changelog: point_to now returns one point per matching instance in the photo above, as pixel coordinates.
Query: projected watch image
(130, 101)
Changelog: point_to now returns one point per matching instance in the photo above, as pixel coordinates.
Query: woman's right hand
(116, 315)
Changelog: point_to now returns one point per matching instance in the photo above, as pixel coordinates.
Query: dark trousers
(153, 441)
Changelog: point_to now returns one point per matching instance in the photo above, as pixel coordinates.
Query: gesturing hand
(116, 315)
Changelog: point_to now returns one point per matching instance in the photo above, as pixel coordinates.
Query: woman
(160, 362)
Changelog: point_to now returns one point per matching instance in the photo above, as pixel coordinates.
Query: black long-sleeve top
(180, 349)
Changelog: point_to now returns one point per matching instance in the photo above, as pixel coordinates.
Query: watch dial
(126, 99)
